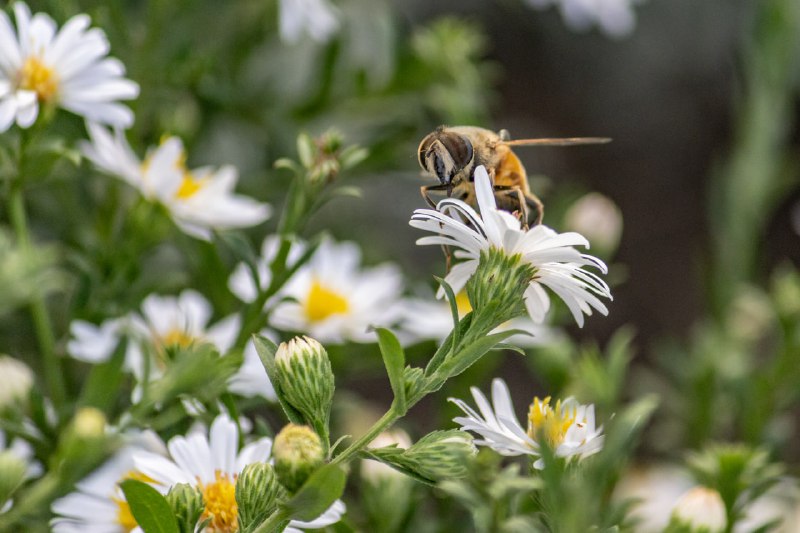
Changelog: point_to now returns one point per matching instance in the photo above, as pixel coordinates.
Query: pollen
(322, 303)
(549, 423)
(36, 76)
(220, 501)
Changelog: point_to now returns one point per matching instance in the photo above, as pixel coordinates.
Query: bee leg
(512, 199)
(536, 206)
(427, 188)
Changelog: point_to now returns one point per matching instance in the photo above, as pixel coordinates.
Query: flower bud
(298, 453)
(16, 380)
(700, 509)
(306, 380)
(441, 454)
(187, 506)
(84, 444)
(257, 494)
(12, 473)
(500, 279)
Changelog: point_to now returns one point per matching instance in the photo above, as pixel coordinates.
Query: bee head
(444, 154)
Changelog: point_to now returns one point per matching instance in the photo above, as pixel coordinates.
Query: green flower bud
(84, 445)
(187, 505)
(298, 453)
(441, 454)
(12, 474)
(499, 280)
(306, 380)
(257, 494)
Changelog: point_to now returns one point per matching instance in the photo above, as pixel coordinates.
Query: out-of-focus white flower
(655, 489)
(16, 380)
(316, 18)
(616, 18)
(67, 67)
(568, 427)
(335, 299)
(598, 219)
(243, 284)
(557, 265)
(169, 321)
(98, 505)
(701, 508)
(199, 200)
(212, 463)
(432, 320)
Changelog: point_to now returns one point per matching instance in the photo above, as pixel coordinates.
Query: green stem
(381, 425)
(276, 522)
(41, 320)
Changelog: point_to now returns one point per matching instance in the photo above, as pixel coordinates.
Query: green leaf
(318, 493)
(266, 352)
(467, 356)
(149, 507)
(395, 360)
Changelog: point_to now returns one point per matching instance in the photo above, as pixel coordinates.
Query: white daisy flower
(616, 18)
(431, 319)
(212, 463)
(199, 201)
(568, 427)
(557, 265)
(167, 321)
(68, 68)
(316, 18)
(98, 504)
(16, 380)
(334, 299)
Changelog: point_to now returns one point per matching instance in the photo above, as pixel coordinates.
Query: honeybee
(451, 154)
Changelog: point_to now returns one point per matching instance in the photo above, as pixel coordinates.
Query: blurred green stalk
(756, 174)
(41, 320)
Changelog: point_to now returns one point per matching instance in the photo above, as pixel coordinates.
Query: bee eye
(422, 153)
(459, 148)
(438, 166)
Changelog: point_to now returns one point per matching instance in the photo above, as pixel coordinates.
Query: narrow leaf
(395, 360)
(149, 507)
(323, 488)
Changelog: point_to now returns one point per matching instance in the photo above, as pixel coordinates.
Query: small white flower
(199, 200)
(568, 427)
(335, 299)
(67, 67)
(16, 380)
(168, 321)
(316, 18)
(616, 18)
(655, 488)
(98, 504)
(701, 508)
(212, 463)
(424, 319)
(558, 266)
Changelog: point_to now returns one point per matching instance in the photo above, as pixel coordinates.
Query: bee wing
(569, 141)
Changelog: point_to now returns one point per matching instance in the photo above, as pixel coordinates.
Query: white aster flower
(212, 463)
(199, 200)
(616, 18)
(558, 266)
(68, 68)
(316, 18)
(431, 319)
(98, 505)
(568, 427)
(94, 344)
(702, 509)
(335, 299)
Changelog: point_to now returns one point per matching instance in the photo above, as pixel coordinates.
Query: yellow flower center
(462, 304)
(322, 303)
(189, 186)
(176, 337)
(549, 423)
(124, 515)
(220, 500)
(36, 76)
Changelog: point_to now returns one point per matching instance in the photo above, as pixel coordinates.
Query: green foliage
(151, 510)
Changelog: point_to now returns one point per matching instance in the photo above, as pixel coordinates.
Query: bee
(451, 154)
